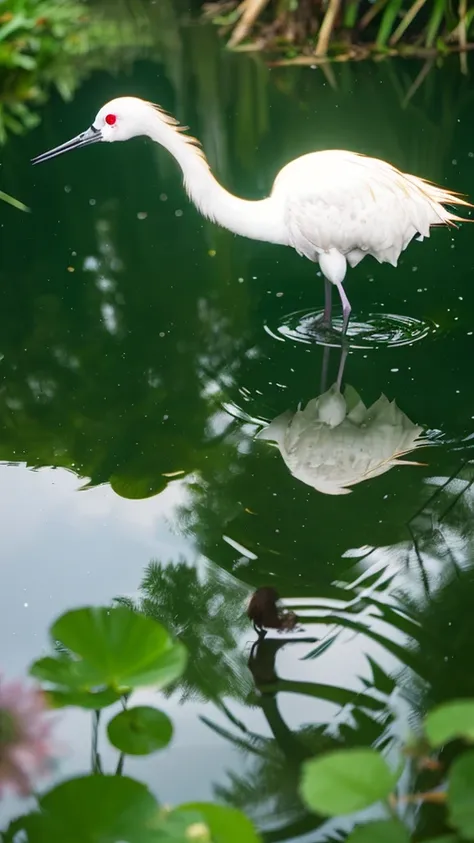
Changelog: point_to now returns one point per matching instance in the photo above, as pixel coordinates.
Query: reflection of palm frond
(269, 789)
(207, 614)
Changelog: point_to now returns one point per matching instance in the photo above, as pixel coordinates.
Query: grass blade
(388, 19)
(351, 13)
(251, 11)
(434, 22)
(408, 18)
(327, 27)
(5, 197)
(372, 13)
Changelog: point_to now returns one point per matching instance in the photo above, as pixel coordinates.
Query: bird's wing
(357, 205)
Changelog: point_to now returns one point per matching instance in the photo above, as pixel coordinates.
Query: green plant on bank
(32, 34)
(54, 43)
(347, 28)
(347, 781)
(101, 657)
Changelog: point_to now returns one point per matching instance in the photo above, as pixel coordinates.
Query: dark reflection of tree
(205, 608)
(429, 631)
(442, 644)
(291, 531)
(269, 789)
(442, 547)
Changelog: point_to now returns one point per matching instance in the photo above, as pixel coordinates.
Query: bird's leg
(342, 364)
(327, 303)
(346, 307)
(324, 368)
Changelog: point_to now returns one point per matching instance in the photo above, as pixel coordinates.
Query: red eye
(111, 119)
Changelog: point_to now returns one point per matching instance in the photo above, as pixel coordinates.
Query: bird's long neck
(258, 220)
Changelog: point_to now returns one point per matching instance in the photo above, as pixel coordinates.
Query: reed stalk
(347, 29)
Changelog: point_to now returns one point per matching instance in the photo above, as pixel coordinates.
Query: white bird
(336, 441)
(334, 207)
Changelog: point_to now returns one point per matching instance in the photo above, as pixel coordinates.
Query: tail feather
(439, 197)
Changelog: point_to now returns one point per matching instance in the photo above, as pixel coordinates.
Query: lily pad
(93, 808)
(390, 831)
(460, 795)
(110, 649)
(140, 730)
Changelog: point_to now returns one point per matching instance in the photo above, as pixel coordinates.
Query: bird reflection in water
(336, 441)
(264, 612)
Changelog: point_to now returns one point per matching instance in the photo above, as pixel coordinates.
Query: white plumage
(333, 207)
(356, 205)
(336, 441)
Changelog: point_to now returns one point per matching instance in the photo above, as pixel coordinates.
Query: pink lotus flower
(25, 748)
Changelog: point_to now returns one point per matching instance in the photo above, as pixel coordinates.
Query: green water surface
(142, 348)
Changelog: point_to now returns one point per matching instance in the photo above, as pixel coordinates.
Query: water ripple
(380, 329)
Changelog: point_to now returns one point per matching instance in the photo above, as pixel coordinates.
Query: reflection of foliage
(346, 781)
(206, 612)
(269, 790)
(430, 635)
(443, 543)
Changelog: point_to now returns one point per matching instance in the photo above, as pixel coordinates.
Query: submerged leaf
(448, 838)
(390, 831)
(461, 795)
(450, 720)
(344, 781)
(93, 808)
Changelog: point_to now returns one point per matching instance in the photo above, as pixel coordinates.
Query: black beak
(86, 138)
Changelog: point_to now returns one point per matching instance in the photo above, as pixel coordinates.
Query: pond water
(141, 350)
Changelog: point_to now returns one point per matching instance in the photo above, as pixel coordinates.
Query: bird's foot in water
(321, 328)
(324, 322)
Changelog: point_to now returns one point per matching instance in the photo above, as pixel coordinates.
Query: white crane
(333, 207)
